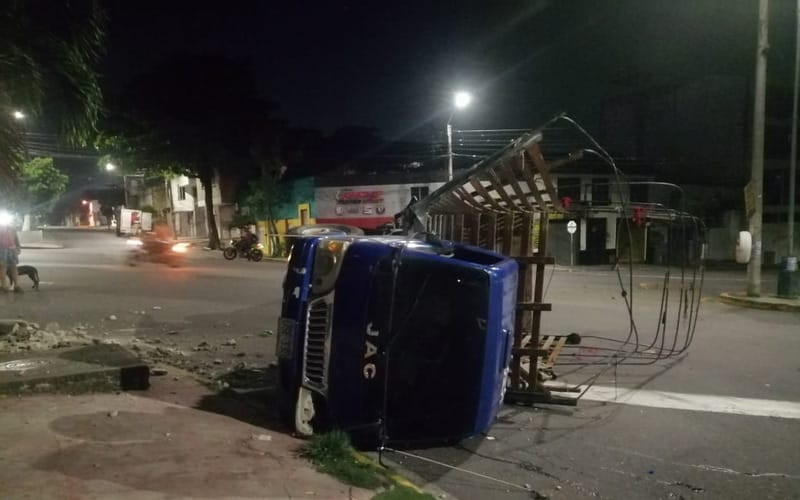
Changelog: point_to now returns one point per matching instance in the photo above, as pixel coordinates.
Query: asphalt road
(689, 438)
(207, 300)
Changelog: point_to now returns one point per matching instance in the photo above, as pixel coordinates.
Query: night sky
(393, 65)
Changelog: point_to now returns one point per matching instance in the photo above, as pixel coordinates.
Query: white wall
(362, 204)
(178, 205)
(215, 192)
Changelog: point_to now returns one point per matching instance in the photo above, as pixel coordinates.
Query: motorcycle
(254, 251)
(157, 251)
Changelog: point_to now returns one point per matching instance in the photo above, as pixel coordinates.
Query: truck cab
(394, 339)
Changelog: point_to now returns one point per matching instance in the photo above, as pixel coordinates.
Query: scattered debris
(217, 361)
(29, 337)
(157, 372)
(266, 333)
(230, 342)
(113, 414)
(261, 437)
(173, 332)
(157, 308)
(490, 438)
(112, 317)
(10, 326)
(203, 346)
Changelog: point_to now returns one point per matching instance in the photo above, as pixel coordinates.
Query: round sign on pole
(572, 226)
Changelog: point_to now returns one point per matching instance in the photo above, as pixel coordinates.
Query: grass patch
(332, 454)
(402, 493)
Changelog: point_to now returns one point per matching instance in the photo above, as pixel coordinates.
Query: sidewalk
(770, 302)
(168, 442)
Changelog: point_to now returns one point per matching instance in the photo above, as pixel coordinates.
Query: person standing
(9, 257)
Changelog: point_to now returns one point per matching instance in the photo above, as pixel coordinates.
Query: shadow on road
(248, 397)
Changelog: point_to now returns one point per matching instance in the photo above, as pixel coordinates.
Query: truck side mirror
(744, 247)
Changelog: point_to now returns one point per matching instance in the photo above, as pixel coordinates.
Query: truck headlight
(327, 263)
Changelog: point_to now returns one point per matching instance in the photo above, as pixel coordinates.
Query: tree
(195, 115)
(263, 197)
(48, 54)
(41, 184)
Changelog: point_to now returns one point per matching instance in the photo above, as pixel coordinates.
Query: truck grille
(317, 345)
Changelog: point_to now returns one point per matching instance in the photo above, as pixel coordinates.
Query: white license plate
(285, 343)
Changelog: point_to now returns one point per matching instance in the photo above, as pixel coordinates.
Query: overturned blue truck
(413, 338)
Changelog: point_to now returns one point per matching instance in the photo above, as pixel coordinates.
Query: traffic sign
(572, 227)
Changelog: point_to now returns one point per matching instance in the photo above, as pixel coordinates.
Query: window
(419, 192)
(182, 192)
(569, 187)
(638, 193)
(600, 188)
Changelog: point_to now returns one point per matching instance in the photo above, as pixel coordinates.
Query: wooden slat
(531, 181)
(507, 169)
(538, 159)
(534, 306)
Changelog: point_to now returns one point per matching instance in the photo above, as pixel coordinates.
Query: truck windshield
(436, 354)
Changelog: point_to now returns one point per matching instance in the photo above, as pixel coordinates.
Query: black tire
(229, 253)
(256, 255)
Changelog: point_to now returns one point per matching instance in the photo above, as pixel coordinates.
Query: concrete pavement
(170, 442)
(768, 302)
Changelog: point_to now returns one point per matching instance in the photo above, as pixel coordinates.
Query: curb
(394, 477)
(742, 301)
(41, 246)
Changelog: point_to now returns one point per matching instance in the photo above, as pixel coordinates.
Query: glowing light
(6, 218)
(462, 99)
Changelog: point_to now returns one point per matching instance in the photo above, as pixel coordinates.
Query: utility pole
(757, 164)
(793, 159)
(450, 149)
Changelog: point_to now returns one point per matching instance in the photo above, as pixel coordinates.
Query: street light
(461, 100)
(18, 115)
(110, 167)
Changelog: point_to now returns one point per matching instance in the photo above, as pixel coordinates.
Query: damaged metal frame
(504, 202)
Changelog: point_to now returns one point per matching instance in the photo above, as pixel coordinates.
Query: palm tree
(48, 54)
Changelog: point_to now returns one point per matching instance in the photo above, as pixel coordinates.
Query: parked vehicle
(253, 251)
(394, 339)
(150, 249)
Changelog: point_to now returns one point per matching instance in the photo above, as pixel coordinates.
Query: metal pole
(125, 190)
(793, 159)
(757, 164)
(571, 251)
(449, 151)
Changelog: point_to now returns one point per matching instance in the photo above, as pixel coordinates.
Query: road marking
(695, 402)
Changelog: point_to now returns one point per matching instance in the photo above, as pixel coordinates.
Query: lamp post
(461, 100)
(18, 115)
(110, 167)
(793, 159)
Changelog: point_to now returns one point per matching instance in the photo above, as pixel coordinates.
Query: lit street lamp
(18, 115)
(461, 100)
(110, 167)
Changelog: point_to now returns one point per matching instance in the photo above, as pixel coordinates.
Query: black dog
(28, 271)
